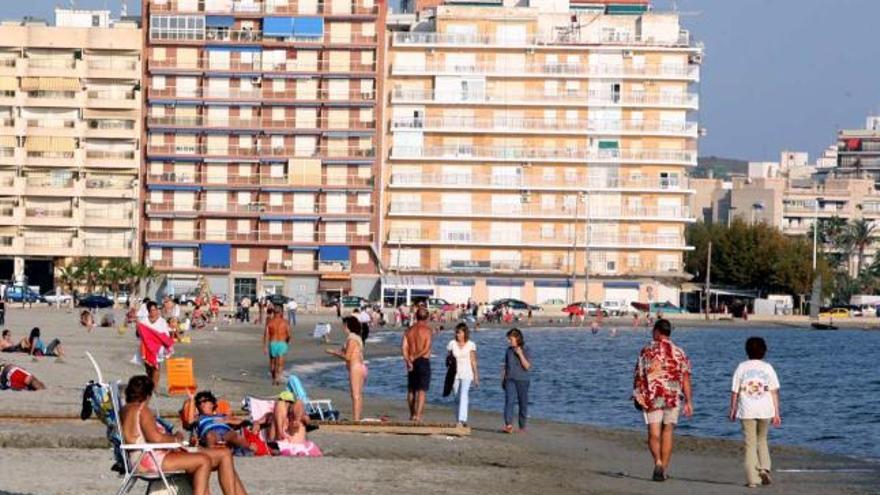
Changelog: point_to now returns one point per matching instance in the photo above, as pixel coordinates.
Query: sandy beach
(66, 456)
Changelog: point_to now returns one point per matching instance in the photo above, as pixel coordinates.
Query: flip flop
(658, 473)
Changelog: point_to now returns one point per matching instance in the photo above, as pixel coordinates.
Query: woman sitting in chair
(139, 427)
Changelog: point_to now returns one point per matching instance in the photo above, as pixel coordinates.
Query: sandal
(507, 429)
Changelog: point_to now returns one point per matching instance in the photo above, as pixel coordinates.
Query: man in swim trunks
(275, 344)
(16, 378)
(416, 350)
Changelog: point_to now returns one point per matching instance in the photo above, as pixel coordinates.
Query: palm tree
(115, 274)
(69, 277)
(90, 271)
(859, 235)
(137, 273)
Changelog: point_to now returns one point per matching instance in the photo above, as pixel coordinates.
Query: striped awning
(50, 143)
(8, 83)
(7, 141)
(50, 84)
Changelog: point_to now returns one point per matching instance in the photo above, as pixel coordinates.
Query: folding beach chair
(316, 409)
(181, 377)
(132, 474)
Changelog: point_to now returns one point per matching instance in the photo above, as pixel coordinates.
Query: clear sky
(778, 74)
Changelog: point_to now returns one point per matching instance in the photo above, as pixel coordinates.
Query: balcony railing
(118, 212)
(266, 93)
(111, 124)
(308, 266)
(291, 7)
(101, 243)
(257, 208)
(50, 155)
(48, 241)
(528, 210)
(109, 182)
(688, 100)
(519, 182)
(110, 155)
(297, 180)
(111, 95)
(557, 38)
(688, 72)
(640, 240)
(53, 182)
(51, 123)
(505, 153)
(51, 63)
(280, 151)
(111, 64)
(261, 236)
(502, 124)
(45, 212)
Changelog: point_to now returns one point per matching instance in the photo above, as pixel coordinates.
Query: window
(177, 27)
(243, 255)
(96, 21)
(155, 254)
(361, 257)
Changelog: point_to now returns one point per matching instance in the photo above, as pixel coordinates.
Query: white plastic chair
(132, 474)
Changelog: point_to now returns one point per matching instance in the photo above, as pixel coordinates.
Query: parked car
(666, 308)
(581, 307)
(95, 301)
(835, 313)
(278, 300)
(616, 308)
(440, 303)
(62, 298)
(352, 302)
(514, 304)
(20, 293)
(122, 297)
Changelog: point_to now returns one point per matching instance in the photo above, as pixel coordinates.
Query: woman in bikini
(353, 354)
(139, 427)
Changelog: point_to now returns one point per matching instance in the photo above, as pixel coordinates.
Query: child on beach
(352, 353)
(515, 380)
(754, 399)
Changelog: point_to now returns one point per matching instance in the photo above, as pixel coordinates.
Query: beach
(56, 454)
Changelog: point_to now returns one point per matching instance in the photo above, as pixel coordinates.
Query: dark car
(95, 301)
(278, 300)
(583, 308)
(515, 304)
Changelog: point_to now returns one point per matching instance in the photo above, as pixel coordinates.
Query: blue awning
(233, 48)
(309, 26)
(334, 253)
(215, 255)
(620, 284)
(219, 21)
(505, 282)
(553, 283)
(278, 26)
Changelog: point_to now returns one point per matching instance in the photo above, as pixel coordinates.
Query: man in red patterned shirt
(662, 376)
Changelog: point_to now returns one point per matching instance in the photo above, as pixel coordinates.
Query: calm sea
(830, 380)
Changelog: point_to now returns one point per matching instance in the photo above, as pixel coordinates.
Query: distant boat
(823, 326)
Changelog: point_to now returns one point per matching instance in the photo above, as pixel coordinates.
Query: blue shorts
(277, 348)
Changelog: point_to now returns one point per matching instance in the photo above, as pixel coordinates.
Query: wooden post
(708, 278)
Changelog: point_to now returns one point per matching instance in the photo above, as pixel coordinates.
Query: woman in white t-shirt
(754, 399)
(466, 373)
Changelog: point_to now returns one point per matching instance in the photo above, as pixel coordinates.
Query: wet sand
(71, 457)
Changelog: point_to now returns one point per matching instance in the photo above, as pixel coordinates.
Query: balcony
(504, 125)
(226, 35)
(341, 153)
(10, 185)
(119, 216)
(512, 265)
(543, 70)
(257, 208)
(49, 245)
(538, 183)
(52, 158)
(106, 247)
(579, 98)
(541, 41)
(472, 153)
(311, 267)
(113, 99)
(122, 159)
(62, 185)
(530, 211)
(666, 242)
(261, 236)
(55, 216)
(291, 7)
(113, 68)
(111, 186)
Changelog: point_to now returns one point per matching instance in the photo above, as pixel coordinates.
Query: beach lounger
(132, 475)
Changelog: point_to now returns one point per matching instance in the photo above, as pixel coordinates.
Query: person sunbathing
(34, 345)
(87, 320)
(138, 425)
(6, 343)
(212, 428)
(17, 378)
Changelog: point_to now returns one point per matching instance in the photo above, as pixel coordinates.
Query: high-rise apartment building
(70, 128)
(537, 150)
(262, 145)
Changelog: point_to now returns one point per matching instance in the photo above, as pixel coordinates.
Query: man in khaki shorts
(662, 376)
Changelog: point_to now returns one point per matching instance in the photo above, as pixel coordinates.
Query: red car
(581, 308)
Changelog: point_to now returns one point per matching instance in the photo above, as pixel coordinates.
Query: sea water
(830, 381)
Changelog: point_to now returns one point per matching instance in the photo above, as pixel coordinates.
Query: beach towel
(262, 449)
(259, 408)
(152, 341)
(305, 449)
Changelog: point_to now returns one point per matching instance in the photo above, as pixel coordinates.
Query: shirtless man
(275, 344)
(416, 350)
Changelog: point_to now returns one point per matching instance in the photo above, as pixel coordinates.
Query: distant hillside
(722, 168)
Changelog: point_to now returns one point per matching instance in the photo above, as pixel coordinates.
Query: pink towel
(307, 449)
(260, 408)
(151, 341)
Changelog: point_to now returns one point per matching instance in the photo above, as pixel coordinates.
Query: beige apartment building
(261, 156)
(536, 150)
(70, 112)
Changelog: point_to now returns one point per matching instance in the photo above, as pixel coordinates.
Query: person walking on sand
(754, 399)
(416, 350)
(156, 343)
(515, 379)
(465, 353)
(276, 341)
(352, 353)
(662, 374)
(292, 306)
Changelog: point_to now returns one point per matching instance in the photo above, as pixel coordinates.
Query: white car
(616, 308)
(51, 298)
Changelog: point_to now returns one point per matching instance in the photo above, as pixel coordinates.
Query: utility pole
(708, 278)
(573, 253)
(587, 229)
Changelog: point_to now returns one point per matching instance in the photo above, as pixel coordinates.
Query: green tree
(69, 277)
(90, 272)
(115, 274)
(859, 235)
(137, 273)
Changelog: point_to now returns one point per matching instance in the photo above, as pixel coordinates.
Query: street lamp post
(815, 230)
(587, 232)
(730, 210)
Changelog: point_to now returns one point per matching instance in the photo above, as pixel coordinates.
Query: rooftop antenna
(123, 10)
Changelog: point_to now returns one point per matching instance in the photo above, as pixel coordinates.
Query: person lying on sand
(213, 429)
(87, 320)
(17, 378)
(34, 345)
(6, 343)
